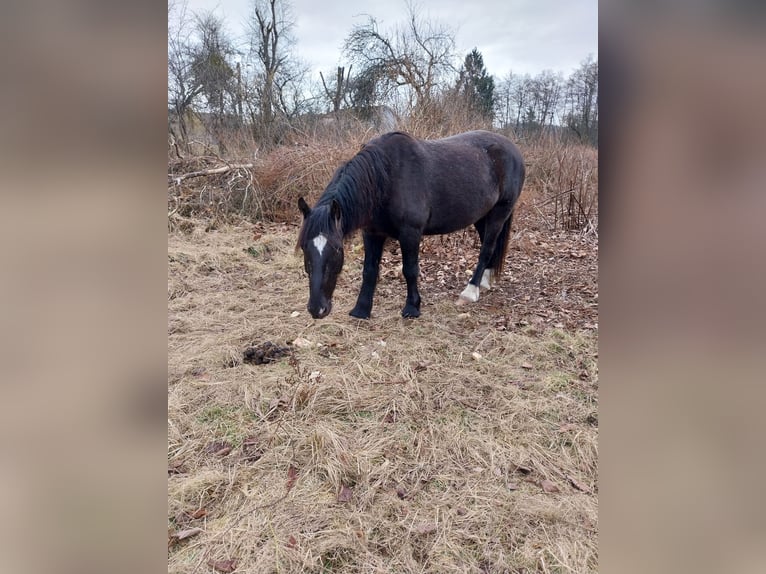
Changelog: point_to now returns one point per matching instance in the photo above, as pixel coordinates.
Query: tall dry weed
(562, 183)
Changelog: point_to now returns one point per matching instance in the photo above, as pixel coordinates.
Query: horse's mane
(357, 186)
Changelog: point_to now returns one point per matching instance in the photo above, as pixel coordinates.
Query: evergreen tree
(476, 85)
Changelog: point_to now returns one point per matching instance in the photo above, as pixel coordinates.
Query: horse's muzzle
(321, 311)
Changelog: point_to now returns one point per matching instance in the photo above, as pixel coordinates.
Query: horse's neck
(356, 192)
(355, 214)
(351, 223)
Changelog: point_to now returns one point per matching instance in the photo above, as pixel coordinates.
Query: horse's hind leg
(493, 225)
(486, 276)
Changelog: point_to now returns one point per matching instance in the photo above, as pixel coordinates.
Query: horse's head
(321, 240)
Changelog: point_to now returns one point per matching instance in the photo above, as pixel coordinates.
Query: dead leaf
(526, 366)
(401, 492)
(549, 487)
(523, 469)
(219, 448)
(292, 476)
(198, 513)
(512, 486)
(291, 542)
(579, 485)
(461, 511)
(425, 528)
(251, 449)
(188, 533)
(225, 566)
(302, 343)
(345, 493)
(568, 427)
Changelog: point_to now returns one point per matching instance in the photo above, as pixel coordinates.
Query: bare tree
(547, 92)
(582, 101)
(521, 96)
(182, 89)
(504, 107)
(340, 88)
(416, 56)
(212, 64)
(212, 69)
(200, 73)
(278, 73)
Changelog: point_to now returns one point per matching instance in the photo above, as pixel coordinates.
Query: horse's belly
(444, 228)
(450, 220)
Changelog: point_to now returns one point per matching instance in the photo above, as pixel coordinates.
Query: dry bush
(444, 118)
(562, 183)
(268, 191)
(301, 169)
(214, 197)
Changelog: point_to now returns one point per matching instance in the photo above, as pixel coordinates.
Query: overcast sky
(523, 36)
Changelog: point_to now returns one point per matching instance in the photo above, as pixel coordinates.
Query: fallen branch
(212, 171)
(556, 196)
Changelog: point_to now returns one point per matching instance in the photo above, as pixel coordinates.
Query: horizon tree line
(257, 85)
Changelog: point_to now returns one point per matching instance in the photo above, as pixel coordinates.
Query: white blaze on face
(319, 242)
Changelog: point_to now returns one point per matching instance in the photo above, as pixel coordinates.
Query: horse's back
(470, 175)
(446, 184)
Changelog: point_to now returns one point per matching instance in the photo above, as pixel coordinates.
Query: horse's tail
(497, 260)
(511, 172)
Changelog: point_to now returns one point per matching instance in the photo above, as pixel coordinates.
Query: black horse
(403, 187)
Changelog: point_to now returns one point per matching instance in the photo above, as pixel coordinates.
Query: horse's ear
(335, 212)
(304, 207)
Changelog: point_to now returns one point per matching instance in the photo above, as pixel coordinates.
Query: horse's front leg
(373, 251)
(410, 243)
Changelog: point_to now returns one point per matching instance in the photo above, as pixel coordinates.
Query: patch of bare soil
(550, 278)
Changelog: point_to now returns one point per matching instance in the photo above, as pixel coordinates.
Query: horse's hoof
(469, 295)
(359, 314)
(410, 313)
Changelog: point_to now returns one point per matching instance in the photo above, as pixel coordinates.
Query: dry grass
(439, 431)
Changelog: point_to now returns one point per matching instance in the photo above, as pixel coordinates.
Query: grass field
(462, 441)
